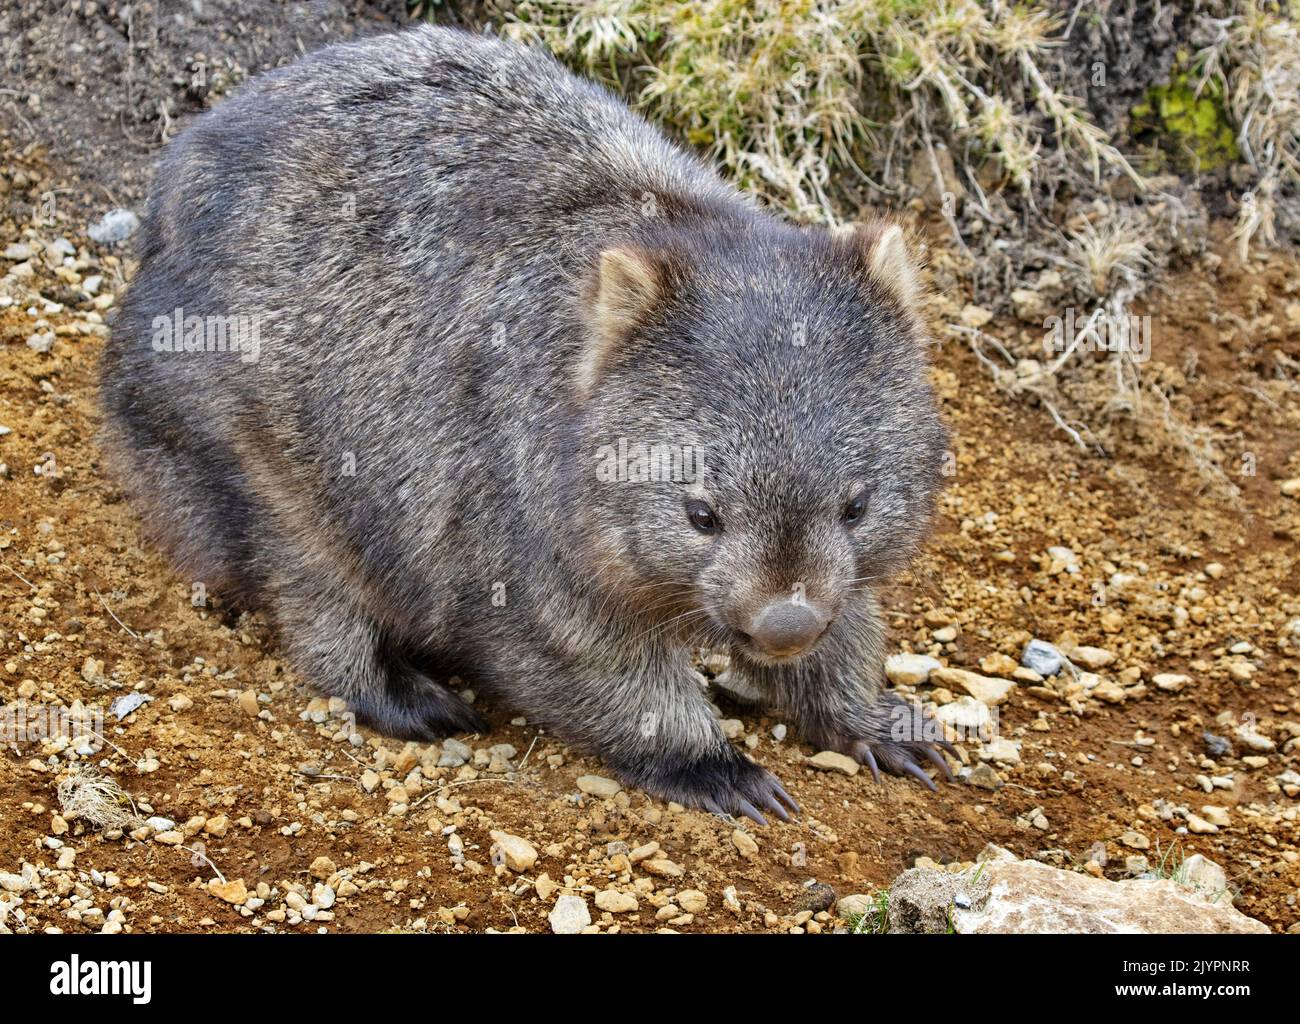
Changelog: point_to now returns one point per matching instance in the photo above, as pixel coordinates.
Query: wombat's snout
(787, 627)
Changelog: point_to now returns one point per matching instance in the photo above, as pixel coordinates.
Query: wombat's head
(761, 444)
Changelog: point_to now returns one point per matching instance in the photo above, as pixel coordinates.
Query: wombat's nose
(787, 627)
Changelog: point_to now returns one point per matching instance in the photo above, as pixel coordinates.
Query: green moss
(1191, 128)
(901, 66)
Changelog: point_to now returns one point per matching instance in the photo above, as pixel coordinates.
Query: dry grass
(95, 797)
(1254, 54)
(775, 89)
(1109, 252)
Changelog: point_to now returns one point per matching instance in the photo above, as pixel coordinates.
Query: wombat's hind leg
(341, 651)
(192, 498)
(411, 706)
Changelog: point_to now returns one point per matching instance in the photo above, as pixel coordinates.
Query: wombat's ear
(628, 284)
(889, 263)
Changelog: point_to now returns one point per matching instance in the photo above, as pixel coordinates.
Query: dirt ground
(280, 818)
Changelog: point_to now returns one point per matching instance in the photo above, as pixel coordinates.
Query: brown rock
(517, 853)
(234, 893)
(662, 867)
(744, 843)
(833, 761)
(999, 665)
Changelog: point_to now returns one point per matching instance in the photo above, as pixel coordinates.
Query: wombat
(451, 363)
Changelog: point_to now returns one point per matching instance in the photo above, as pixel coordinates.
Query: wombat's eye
(701, 516)
(855, 509)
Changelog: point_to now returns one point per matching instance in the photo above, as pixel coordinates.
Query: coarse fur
(474, 275)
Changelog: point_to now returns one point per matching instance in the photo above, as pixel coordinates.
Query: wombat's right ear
(628, 284)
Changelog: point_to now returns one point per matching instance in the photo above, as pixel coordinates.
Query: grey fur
(414, 222)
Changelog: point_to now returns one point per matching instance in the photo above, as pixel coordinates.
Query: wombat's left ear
(629, 283)
(889, 263)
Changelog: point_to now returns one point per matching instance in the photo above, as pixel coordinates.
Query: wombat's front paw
(901, 739)
(723, 783)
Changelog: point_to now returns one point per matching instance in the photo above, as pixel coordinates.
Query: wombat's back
(433, 137)
(403, 219)
(398, 161)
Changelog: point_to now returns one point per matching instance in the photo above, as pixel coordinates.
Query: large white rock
(910, 669)
(1007, 895)
(569, 916)
(517, 853)
(968, 718)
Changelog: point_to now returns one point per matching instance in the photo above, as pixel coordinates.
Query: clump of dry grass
(96, 797)
(1108, 251)
(1253, 51)
(775, 89)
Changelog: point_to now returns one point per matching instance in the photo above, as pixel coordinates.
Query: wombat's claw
(769, 793)
(865, 754)
(902, 759)
(914, 769)
(938, 758)
(780, 791)
(751, 812)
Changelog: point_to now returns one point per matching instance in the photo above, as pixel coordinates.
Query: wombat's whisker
(682, 585)
(676, 618)
(662, 602)
(711, 634)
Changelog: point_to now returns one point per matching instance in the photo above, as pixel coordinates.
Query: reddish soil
(227, 750)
